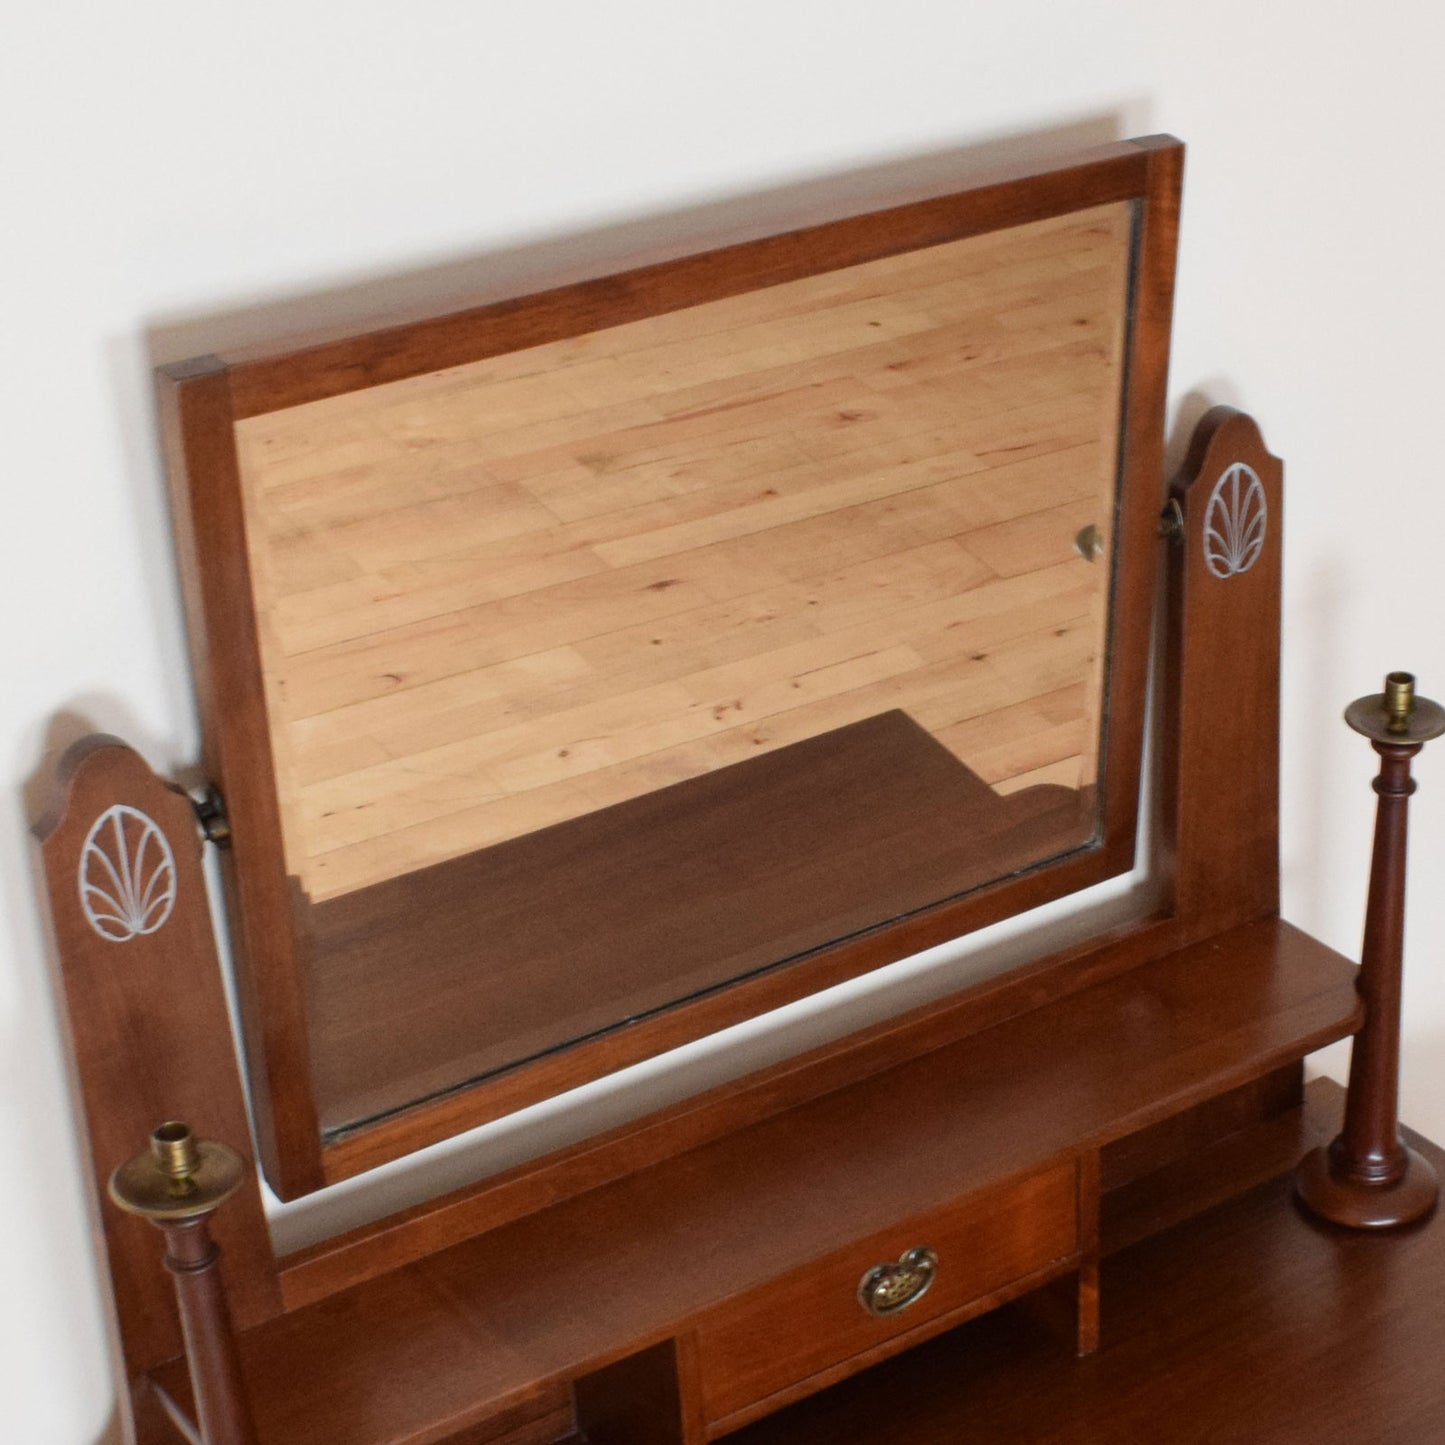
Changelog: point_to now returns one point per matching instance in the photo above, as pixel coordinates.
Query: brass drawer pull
(888, 1288)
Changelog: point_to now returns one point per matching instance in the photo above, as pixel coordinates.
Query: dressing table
(585, 673)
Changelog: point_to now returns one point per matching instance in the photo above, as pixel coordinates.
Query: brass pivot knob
(178, 1177)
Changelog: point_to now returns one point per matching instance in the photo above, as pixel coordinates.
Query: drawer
(812, 1318)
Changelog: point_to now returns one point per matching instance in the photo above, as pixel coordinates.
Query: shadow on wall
(1189, 411)
(1421, 1106)
(81, 719)
(544, 262)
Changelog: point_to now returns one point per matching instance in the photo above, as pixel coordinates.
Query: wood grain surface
(982, 1246)
(1224, 647)
(503, 595)
(495, 1321)
(209, 404)
(145, 1008)
(1250, 1325)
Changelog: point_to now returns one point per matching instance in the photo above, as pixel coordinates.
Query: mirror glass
(605, 673)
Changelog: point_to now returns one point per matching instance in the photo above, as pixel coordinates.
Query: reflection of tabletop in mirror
(501, 596)
(442, 976)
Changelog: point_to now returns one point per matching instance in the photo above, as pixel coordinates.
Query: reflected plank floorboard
(506, 595)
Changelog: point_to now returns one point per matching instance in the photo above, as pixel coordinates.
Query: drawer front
(812, 1319)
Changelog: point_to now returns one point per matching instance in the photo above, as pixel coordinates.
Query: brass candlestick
(1368, 1178)
(177, 1184)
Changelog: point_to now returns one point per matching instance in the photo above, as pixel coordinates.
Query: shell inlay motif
(127, 875)
(1235, 522)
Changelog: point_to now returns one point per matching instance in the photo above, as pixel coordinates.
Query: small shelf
(516, 1315)
(1249, 1323)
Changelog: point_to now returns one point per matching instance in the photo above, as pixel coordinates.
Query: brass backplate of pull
(888, 1288)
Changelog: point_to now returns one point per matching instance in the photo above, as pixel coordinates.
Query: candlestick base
(1359, 1204)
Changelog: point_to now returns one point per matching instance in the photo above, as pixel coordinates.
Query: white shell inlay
(127, 875)
(1235, 522)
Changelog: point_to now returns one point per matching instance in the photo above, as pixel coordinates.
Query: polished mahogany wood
(1368, 1178)
(412, 1234)
(203, 400)
(1231, 1157)
(1087, 1206)
(270, 378)
(1220, 734)
(1059, 973)
(149, 1027)
(1136, 549)
(672, 1278)
(498, 1319)
(399, 1363)
(1370, 1151)
(649, 1398)
(1159, 1046)
(1029, 1289)
(776, 1342)
(1202, 817)
(1109, 975)
(1249, 1325)
(223, 1404)
(198, 435)
(1186, 1135)
(156, 1420)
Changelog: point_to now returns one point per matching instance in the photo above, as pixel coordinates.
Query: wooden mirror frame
(203, 400)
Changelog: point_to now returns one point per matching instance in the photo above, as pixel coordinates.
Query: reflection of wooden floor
(505, 595)
(422, 983)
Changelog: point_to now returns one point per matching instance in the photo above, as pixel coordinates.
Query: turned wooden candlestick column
(1368, 1178)
(177, 1184)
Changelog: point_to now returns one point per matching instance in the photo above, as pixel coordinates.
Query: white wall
(165, 167)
